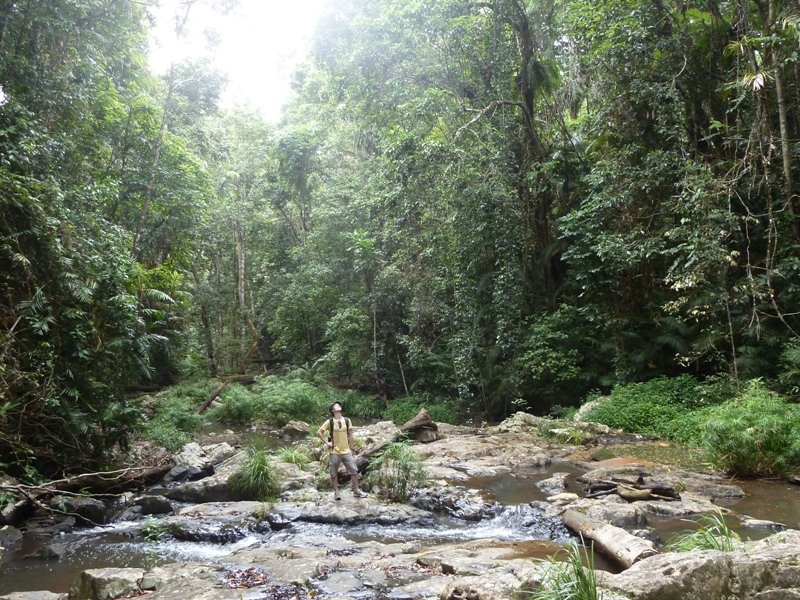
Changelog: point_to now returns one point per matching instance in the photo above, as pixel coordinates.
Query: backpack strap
(330, 427)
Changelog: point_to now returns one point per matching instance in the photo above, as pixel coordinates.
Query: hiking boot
(337, 495)
(359, 494)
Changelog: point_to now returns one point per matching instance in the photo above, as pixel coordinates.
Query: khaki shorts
(346, 459)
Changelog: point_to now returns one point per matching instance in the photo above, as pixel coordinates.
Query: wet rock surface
(306, 544)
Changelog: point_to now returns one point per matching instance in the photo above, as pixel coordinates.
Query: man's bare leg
(354, 482)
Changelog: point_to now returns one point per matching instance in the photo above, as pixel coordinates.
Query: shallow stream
(119, 545)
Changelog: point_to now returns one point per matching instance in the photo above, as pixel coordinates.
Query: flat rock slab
(348, 511)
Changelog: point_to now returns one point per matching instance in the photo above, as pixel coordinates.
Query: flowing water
(119, 545)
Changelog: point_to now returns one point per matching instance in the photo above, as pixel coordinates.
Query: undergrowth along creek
(746, 431)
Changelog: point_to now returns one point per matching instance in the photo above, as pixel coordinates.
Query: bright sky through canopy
(258, 44)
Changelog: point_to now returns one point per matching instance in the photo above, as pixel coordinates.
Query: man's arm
(321, 435)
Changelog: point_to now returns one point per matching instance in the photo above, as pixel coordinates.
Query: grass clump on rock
(566, 580)
(397, 471)
(256, 478)
(712, 534)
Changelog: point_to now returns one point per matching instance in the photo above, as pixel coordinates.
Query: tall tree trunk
(246, 356)
(786, 152)
(208, 337)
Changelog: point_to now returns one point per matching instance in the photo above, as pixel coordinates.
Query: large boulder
(769, 568)
(210, 489)
(87, 511)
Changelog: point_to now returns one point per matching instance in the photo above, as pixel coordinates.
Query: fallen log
(102, 481)
(101, 484)
(616, 543)
(207, 402)
(632, 494)
(662, 490)
(631, 490)
(421, 421)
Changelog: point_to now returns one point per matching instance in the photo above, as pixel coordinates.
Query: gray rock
(192, 455)
(218, 453)
(15, 513)
(555, 484)
(764, 571)
(153, 505)
(426, 436)
(761, 523)
(105, 584)
(499, 587)
(181, 580)
(9, 535)
(613, 510)
(210, 489)
(214, 531)
(87, 511)
(48, 552)
(295, 430)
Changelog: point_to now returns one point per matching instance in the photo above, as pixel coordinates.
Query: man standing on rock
(337, 434)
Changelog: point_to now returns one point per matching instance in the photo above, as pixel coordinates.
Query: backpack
(330, 427)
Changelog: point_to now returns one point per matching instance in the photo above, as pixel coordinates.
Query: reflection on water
(513, 488)
(769, 500)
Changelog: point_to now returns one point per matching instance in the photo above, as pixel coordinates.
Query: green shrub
(687, 428)
(671, 408)
(401, 410)
(754, 435)
(397, 471)
(166, 434)
(192, 393)
(180, 412)
(356, 404)
(173, 422)
(712, 534)
(256, 478)
(287, 400)
(237, 405)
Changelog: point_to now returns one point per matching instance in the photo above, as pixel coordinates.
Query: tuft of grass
(256, 478)
(567, 580)
(294, 455)
(397, 471)
(712, 534)
(153, 530)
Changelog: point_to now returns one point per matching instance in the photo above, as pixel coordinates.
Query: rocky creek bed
(453, 540)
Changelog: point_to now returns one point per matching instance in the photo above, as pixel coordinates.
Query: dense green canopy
(509, 203)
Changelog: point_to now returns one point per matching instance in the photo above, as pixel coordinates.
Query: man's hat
(330, 408)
